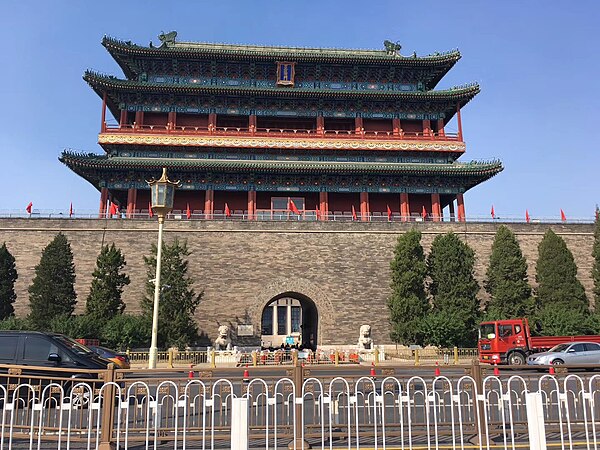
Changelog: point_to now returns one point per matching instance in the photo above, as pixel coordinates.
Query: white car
(569, 353)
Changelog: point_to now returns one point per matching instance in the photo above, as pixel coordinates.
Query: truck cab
(504, 342)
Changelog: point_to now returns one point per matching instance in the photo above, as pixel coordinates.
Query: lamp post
(162, 193)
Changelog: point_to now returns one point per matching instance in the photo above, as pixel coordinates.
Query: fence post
(170, 359)
(213, 361)
(456, 356)
(295, 358)
(254, 358)
(416, 356)
(108, 408)
(337, 357)
(239, 424)
(480, 422)
(298, 405)
(376, 356)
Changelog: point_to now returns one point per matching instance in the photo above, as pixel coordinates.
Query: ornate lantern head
(162, 194)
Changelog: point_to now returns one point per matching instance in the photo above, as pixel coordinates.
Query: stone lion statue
(364, 338)
(223, 341)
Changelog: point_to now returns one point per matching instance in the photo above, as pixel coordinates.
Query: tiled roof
(93, 161)
(102, 82)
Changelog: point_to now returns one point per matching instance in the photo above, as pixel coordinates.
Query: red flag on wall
(150, 213)
(424, 213)
(227, 210)
(354, 213)
(113, 209)
(527, 216)
(389, 212)
(71, 210)
(318, 212)
(562, 216)
(28, 208)
(493, 213)
(188, 212)
(292, 207)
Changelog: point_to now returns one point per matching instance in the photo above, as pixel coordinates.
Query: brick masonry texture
(343, 267)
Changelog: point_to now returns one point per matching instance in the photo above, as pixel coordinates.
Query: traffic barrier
(437, 369)
(496, 370)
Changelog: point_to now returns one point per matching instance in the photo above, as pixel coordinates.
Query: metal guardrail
(269, 408)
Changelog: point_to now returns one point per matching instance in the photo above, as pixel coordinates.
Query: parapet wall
(343, 267)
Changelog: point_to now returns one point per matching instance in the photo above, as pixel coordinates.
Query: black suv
(37, 359)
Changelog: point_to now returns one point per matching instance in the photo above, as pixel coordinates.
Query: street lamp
(162, 193)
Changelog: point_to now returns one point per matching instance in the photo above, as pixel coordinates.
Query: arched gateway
(289, 318)
(296, 308)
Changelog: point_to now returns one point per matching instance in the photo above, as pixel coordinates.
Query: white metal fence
(510, 412)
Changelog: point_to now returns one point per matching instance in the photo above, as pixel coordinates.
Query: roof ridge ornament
(392, 48)
(168, 38)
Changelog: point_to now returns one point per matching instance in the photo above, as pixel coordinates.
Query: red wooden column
(103, 200)
(435, 207)
(426, 127)
(404, 207)
(451, 208)
(364, 206)
(131, 198)
(440, 127)
(358, 125)
(209, 203)
(324, 205)
(212, 123)
(123, 118)
(461, 207)
(251, 205)
(320, 125)
(139, 119)
(103, 124)
(172, 119)
(252, 124)
(396, 126)
(458, 118)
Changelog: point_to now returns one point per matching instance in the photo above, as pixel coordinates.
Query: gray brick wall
(342, 267)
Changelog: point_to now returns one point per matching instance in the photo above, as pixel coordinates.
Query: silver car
(569, 353)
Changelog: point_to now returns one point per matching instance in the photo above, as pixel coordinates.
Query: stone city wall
(240, 266)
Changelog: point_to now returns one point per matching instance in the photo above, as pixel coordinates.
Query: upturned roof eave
(118, 163)
(123, 52)
(96, 80)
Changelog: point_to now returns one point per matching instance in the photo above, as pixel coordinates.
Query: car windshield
(486, 329)
(74, 345)
(559, 348)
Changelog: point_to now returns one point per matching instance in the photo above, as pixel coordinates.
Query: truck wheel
(516, 359)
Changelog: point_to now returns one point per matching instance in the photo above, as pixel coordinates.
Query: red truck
(510, 342)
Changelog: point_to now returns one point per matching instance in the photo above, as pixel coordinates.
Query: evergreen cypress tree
(453, 288)
(178, 301)
(506, 279)
(8, 276)
(52, 292)
(104, 301)
(556, 274)
(408, 303)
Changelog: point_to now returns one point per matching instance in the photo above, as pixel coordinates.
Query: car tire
(516, 359)
(557, 362)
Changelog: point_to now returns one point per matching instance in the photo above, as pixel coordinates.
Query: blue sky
(536, 61)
